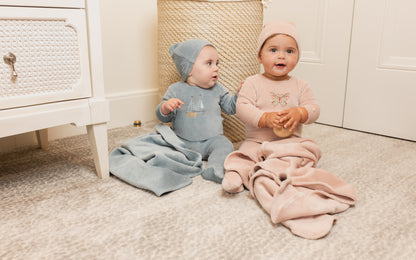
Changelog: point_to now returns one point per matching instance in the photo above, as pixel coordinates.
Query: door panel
(381, 89)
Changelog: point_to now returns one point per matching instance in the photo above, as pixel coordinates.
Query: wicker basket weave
(232, 26)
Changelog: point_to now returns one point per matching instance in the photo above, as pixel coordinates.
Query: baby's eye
(217, 63)
(273, 50)
(209, 63)
(290, 51)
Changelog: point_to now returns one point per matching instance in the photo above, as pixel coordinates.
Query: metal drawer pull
(10, 59)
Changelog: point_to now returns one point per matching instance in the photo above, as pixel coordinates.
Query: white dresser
(51, 71)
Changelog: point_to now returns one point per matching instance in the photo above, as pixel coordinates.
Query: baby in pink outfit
(275, 163)
(271, 101)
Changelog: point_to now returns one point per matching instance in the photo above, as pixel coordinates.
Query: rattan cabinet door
(43, 3)
(50, 51)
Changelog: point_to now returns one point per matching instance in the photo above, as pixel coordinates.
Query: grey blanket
(158, 162)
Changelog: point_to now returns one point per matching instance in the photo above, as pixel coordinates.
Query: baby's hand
(270, 120)
(239, 87)
(291, 117)
(170, 105)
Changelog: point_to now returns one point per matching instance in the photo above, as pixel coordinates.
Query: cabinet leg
(97, 135)
(42, 136)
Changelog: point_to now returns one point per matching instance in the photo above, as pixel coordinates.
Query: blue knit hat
(185, 53)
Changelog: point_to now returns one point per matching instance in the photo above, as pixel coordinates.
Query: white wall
(129, 34)
(129, 39)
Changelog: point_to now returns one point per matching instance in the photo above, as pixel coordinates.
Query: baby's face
(205, 71)
(279, 56)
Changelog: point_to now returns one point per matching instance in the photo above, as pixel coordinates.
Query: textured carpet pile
(52, 206)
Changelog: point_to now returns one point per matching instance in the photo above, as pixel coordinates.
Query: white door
(381, 89)
(325, 29)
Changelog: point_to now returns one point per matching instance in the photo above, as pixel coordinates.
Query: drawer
(45, 3)
(51, 50)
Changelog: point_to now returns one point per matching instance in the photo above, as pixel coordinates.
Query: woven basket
(232, 26)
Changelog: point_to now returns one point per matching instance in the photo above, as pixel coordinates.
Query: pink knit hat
(277, 27)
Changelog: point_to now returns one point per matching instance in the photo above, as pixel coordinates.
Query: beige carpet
(53, 206)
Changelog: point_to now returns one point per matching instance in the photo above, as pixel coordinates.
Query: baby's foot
(232, 182)
(209, 173)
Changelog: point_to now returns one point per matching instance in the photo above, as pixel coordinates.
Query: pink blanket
(295, 193)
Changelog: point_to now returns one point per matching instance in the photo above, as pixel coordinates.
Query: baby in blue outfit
(194, 105)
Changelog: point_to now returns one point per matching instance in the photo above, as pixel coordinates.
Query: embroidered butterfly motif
(279, 99)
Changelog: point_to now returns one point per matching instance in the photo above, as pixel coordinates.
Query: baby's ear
(259, 58)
